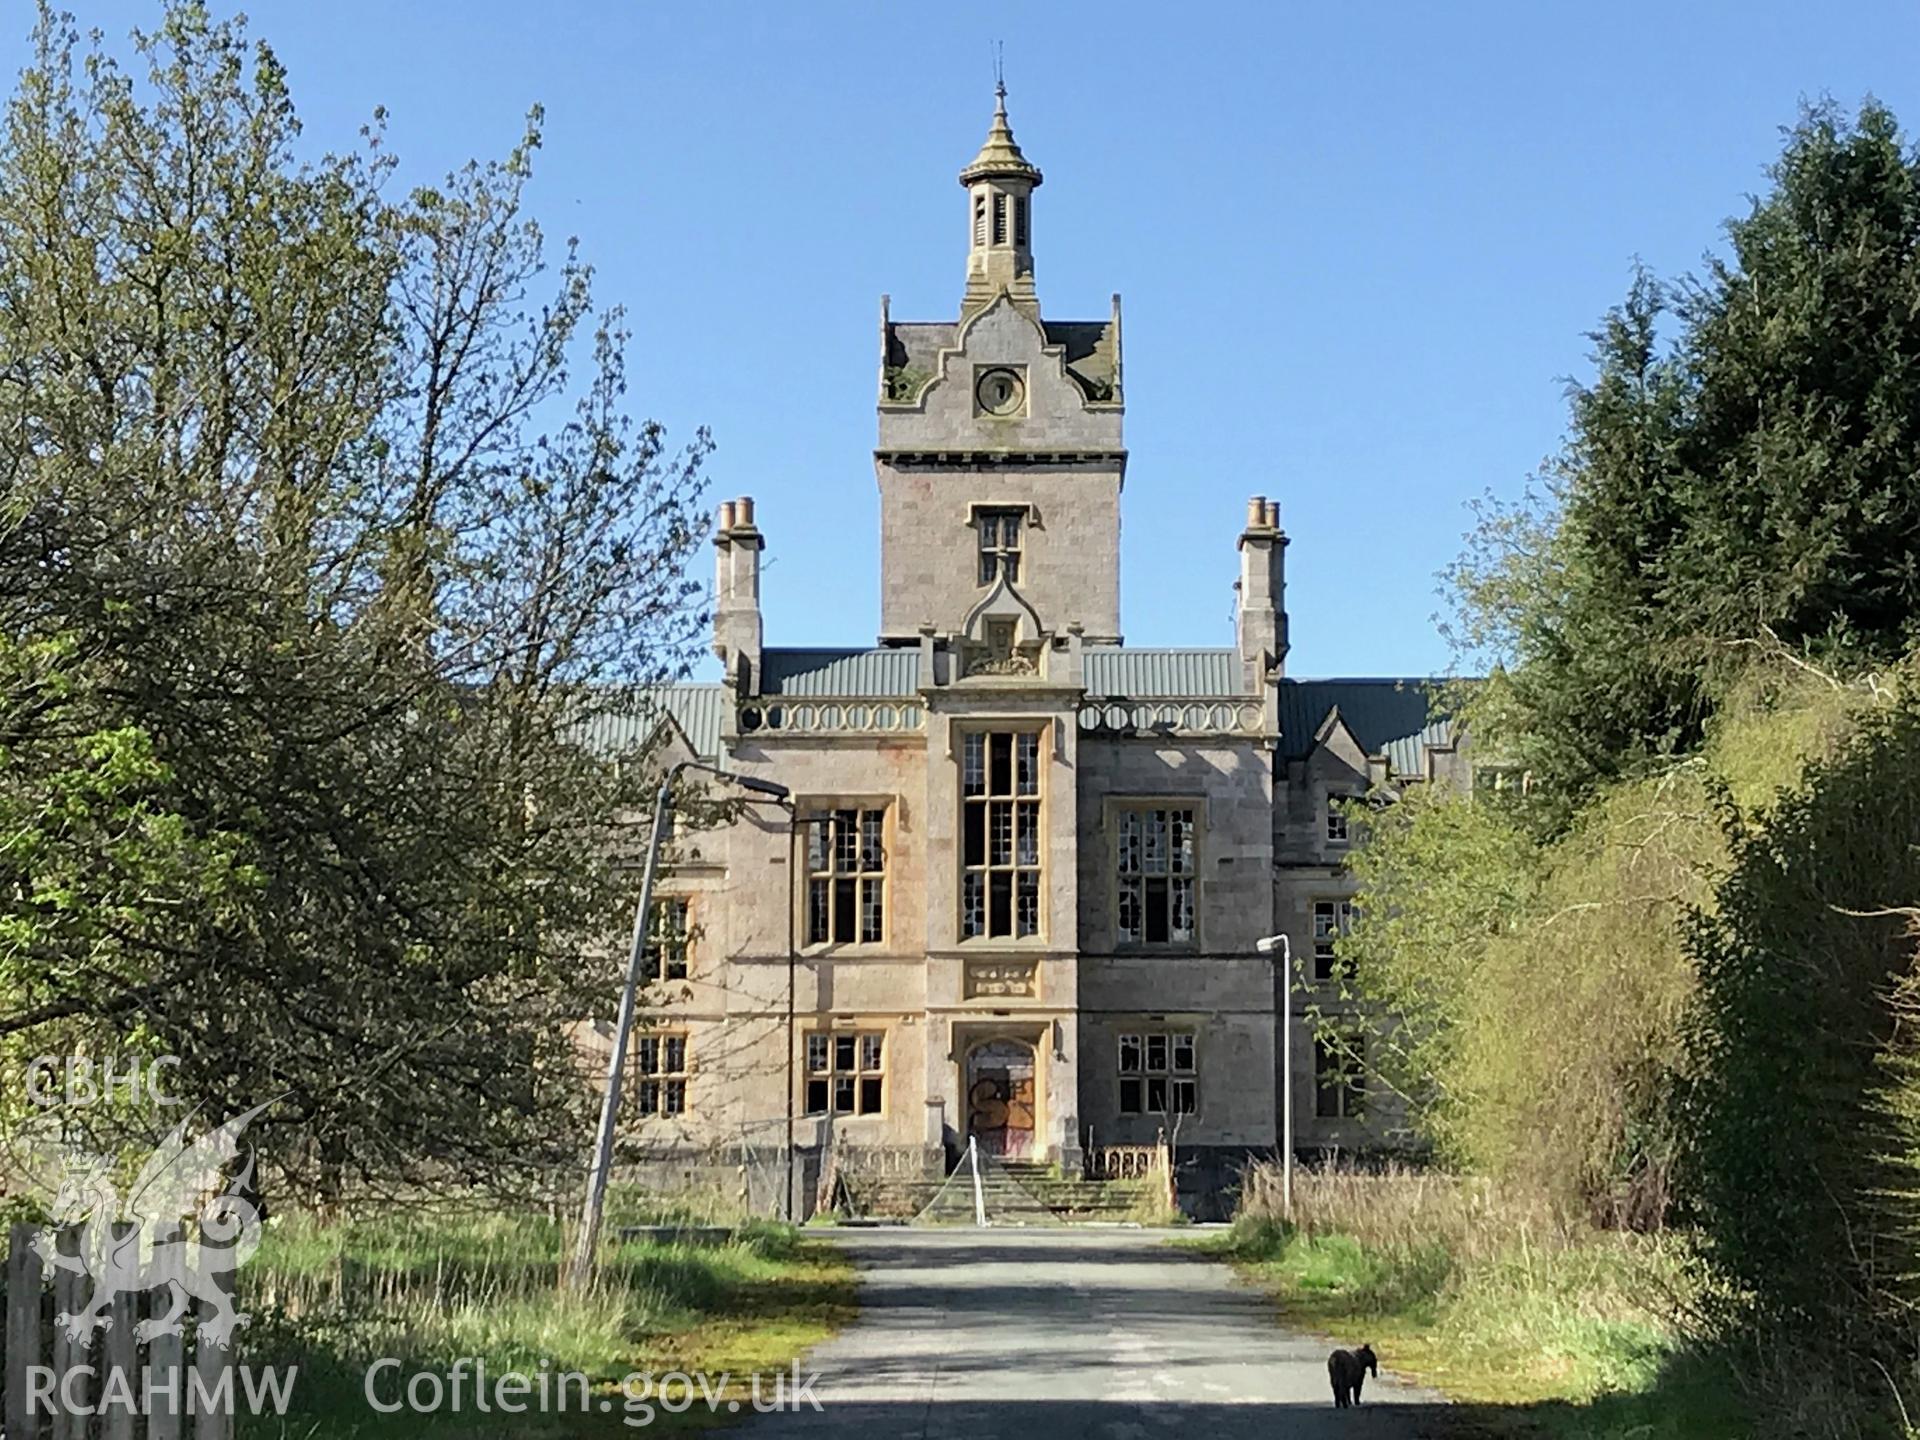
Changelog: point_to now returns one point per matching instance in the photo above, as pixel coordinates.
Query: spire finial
(1001, 154)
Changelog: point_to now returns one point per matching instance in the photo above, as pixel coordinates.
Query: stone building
(1033, 862)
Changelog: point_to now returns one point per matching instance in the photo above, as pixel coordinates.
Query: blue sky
(1358, 247)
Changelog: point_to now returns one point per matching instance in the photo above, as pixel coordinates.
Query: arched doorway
(1000, 1097)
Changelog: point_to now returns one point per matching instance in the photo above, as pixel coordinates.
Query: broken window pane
(1154, 860)
(1180, 925)
(1029, 762)
(1154, 888)
(974, 765)
(1154, 902)
(1000, 851)
(1029, 842)
(842, 846)
(1183, 842)
(1027, 916)
(843, 912)
(1000, 841)
(1000, 904)
(665, 952)
(817, 908)
(1157, 1073)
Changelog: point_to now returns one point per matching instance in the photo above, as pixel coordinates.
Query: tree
(317, 564)
(1749, 481)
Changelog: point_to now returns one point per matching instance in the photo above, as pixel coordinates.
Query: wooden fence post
(23, 1331)
(166, 1362)
(113, 1359)
(70, 1292)
(213, 1366)
(126, 1392)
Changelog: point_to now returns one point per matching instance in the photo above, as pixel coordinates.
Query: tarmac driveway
(1058, 1334)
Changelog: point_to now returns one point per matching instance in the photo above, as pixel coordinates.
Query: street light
(793, 904)
(1284, 947)
(590, 1216)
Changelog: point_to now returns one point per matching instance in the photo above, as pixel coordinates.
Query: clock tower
(1000, 458)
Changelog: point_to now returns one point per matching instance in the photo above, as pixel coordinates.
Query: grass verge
(1532, 1327)
(428, 1290)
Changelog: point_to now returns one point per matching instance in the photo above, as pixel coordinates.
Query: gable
(1393, 718)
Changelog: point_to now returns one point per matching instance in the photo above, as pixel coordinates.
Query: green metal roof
(1121, 672)
(1408, 755)
(1388, 717)
(697, 709)
(841, 674)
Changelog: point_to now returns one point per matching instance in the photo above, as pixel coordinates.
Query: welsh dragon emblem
(181, 1181)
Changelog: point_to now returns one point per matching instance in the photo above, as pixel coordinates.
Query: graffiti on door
(1000, 1097)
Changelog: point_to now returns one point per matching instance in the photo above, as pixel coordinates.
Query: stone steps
(1033, 1192)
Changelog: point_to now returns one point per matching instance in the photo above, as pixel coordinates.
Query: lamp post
(1283, 947)
(591, 1214)
(793, 904)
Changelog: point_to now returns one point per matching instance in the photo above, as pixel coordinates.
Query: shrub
(1802, 1159)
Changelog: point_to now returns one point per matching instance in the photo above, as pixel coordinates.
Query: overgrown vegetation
(1533, 1322)
(428, 1289)
(1663, 973)
(1540, 990)
(1801, 1156)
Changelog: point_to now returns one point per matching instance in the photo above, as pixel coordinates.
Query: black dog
(1347, 1369)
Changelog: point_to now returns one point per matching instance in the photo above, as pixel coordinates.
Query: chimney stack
(736, 594)
(1262, 624)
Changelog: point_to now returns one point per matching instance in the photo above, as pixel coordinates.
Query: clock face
(1000, 392)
